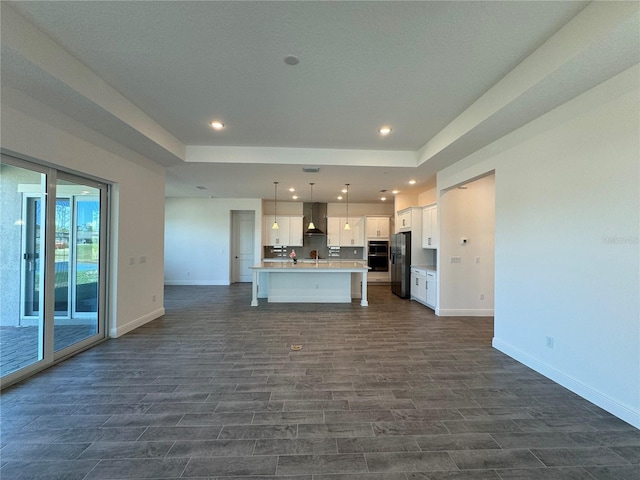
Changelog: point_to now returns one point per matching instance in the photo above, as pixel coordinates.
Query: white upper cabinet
(430, 226)
(289, 232)
(408, 218)
(334, 226)
(296, 231)
(337, 236)
(274, 237)
(377, 228)
(355, 236)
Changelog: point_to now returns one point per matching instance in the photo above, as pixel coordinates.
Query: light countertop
(432, 268)
(311, 265)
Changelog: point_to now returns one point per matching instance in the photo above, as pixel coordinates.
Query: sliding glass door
(52, 249)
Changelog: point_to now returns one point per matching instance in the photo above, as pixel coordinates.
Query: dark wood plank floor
(388, 392)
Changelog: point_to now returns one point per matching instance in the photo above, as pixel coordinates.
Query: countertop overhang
(301, 266)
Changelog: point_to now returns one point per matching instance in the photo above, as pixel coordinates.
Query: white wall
(334, 209)
(405, 200)
(284, 208)
(467, 213)
(198, 236)
(567, 262)
(359, 209)
(427, 197)
(37, 132)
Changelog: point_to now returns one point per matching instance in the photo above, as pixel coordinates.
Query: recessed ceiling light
(291, 60)
(295, 197)
(339, 197)
(292, 189)
(344, 190)
(383, 198)
(412, 182)
(201, 187)
(217, 125)
(384, 130)
(395, 192)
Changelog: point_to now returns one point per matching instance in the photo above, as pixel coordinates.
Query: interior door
(243, 244)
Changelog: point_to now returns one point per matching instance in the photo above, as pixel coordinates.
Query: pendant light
(346, 225)
(311, 225)
(275, 207)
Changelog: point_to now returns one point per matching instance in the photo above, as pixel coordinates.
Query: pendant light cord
(275, 207)
(346, 225)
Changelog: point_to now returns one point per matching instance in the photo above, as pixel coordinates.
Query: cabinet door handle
(416, 282)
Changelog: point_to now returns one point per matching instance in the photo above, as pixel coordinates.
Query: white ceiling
(416, 66)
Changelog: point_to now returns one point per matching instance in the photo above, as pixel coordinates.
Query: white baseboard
(461, 312)
(621, 411)
(196, 282)
(138, 322)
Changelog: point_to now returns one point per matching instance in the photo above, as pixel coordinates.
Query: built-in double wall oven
(378, 255)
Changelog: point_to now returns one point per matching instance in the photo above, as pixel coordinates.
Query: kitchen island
(310, 282)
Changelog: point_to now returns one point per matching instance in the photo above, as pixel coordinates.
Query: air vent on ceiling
(310, 169)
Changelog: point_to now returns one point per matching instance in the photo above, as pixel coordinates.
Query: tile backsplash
(319, 244)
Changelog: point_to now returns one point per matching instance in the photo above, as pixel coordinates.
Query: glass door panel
(22, 256)
(87, 261)
(63, 257)
(78, 219)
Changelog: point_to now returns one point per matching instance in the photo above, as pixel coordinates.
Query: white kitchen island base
(324, 282)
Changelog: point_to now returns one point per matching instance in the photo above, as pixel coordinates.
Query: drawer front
(419, 272)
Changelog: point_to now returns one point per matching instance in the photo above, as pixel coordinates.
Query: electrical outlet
(132, 260)
(477, 259)
(549, 342)
(455, 260)
(482, 296)
(153, 299)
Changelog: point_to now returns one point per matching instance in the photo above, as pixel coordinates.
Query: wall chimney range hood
(318, 213)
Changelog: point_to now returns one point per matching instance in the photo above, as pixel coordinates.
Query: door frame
(49, 356)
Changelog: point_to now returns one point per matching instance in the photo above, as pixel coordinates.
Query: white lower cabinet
(419, 284)
(432, 285)
(424, 286)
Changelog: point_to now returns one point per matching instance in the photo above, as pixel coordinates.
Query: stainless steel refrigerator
(401, 264)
